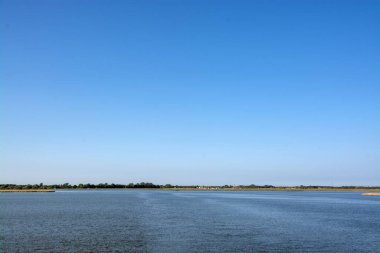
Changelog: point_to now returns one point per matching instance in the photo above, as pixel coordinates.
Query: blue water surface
(189, 221)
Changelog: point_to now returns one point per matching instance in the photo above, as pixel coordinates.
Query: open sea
(189, 221)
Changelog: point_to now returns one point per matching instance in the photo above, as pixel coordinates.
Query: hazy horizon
(190, 92)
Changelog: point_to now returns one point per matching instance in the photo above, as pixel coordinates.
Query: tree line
(79, 186)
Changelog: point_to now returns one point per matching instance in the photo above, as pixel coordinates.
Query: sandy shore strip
(371, 194)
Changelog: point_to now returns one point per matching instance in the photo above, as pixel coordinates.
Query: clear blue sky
(190, 92)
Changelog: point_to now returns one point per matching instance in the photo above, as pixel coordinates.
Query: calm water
(160, 221)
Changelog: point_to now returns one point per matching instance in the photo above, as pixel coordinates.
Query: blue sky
(190, 92)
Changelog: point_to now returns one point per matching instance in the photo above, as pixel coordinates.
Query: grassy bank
(27, 190)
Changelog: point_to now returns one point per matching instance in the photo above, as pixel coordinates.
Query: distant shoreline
(364, 191)
(287, 189)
